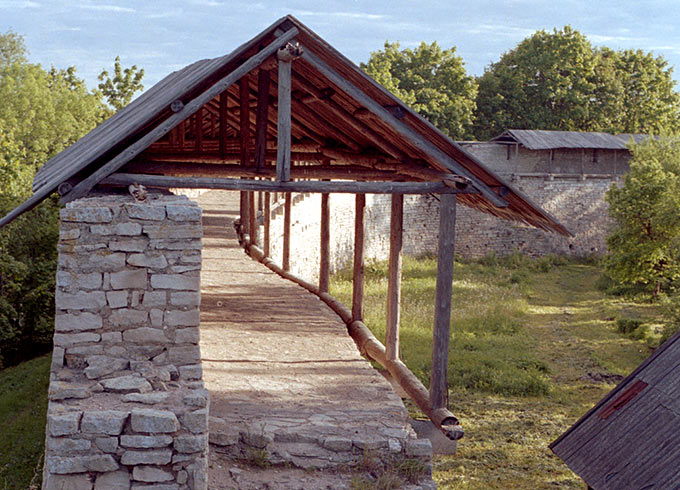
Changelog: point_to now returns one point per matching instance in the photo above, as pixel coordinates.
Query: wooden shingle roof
(351, 113)
(534, 139)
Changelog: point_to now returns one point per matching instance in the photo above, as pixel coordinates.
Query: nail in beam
(394, 278)
(286, 232)
(442, 309)
(324, 261)
(358, 278)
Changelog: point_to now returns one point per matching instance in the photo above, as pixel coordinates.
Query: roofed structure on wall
(630, 439)
(219, 118)
(533, 139)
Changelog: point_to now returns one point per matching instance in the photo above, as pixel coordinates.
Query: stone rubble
(128, 409)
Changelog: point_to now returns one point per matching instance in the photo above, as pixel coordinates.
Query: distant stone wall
(127, 405)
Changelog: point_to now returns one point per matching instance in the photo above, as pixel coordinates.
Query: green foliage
(672, 318)
(557, 80)
(644, 243)
(431, 80)
(628, 325)
(12, 49)
(120, 89)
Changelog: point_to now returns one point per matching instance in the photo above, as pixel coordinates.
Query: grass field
(535, 344)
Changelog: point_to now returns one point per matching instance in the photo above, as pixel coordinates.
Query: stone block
(57, 359)
(198, 398)
(337, 444)
(80, 301)
(183, 355)
(107, 444)
(62, 390)
(145, 442)
(175, 281)
(117, 299)
(184, 298)
(68, 233)
(116, 480)
(80, 281)
(145, 212)
(67, 482)
(419, 448)
(173, 231)
(86, 215)
(145, 335)
(180, 318)
(191, 372)
(129, 279)
(152, 260)
(126, 384)
(176, 244)
(81, 464)
(109, 422)
(67, 445)
(154, 298)
(154, 421)
(156, 317)
(191, 258)
(151, 474)
(135, 300)
(163, 456)
(130, 245)
(83, 350)
(196, 421)
(81, 322)
(112, 337)
(146, 398)
(102, 230)
(157, 486)
(70, 339)
(183, 213)
(125, 317)
(185, 268)
(190, 444)
(128, 229)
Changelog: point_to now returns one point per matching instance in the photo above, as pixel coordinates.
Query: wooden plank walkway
(287, 384)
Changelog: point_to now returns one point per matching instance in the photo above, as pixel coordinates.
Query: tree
(644, 245)
(12, 49)
(120, 89)
(431, 80)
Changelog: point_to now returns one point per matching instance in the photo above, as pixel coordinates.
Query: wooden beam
(359, 248)
(85, 185)
(263, 79)
(394, 278)
(400, 127)
(265, 221)
(346, 187)
(439, 393)
(198, 128)
(244, 147)
(324, 248)
(285, 262)
(283, 115)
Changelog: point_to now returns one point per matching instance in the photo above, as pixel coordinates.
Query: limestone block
(145, 442)
(67, 482)
(145, 335)
(419, 448)
(86, 215)
(183, 298)
(175, 281)
(199, 472)
(71, 322)
(156, 317)
(145, 211)
(116, 480)
(126, 384)
(152, 260)
(129, 279)
(125, 317)
(134, 301)
(83, 350)
(81, 281)
(62, 390)
(154, 298)
(80, 301)
(146, 398)
(337, 444)
(154, 422)
(183, 213)
(69, 339)
(198, 398)
(151, 474)
(117, 299)
(113, 337)
(176, 244)
(108, 422)
(128, 229)
(68, 233)
(187, 335)
(57, 359)
(183, 355)
(196, 421)
(191, 258)
(81, 464)
(107, 444)
(180, 318)
(173, 231)
(163, 456)
(191, 372)
(182, 477)
(98, 366)
(190, 444)
(157, 486)
(185, 268)
(102, 230)
(67, 445)
(130, 245)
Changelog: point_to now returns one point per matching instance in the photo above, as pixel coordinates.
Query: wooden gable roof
(631, 438)
(339, 115)
(534, 139)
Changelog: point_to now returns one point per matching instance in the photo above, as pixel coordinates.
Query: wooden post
(223, 123)
(442, 307)
(283, 126)
(244, 142)
(286, 232)
(394, 278)
(265, 219)
(198, 130)
(263, 79)
(324, 249)
(358, 276)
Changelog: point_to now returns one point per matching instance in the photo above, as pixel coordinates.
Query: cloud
(500, 30)
(604, 38)
(107, 8)
(347, 15)
(19, 4)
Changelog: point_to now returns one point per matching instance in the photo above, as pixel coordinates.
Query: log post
(286, 232)
(263, 79)
(265, 221)
(324, 249)
(442, 307)
(358, 272)
(283, 122)
(244, 141)
(224, 115)
(394, 278)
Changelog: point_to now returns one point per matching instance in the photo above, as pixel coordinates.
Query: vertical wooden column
(263, 79)
(324, 249)
(265, 221)
(198, 130)
(223, 124)
(359, 247)
(394, 278)
(441, 333)
(244, 143)
(283, 118)
(286, 231)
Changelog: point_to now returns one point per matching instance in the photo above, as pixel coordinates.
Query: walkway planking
(286, 381)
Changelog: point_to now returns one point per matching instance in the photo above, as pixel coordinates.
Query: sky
(164, 36)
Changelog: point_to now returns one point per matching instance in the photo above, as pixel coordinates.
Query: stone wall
(127, 405)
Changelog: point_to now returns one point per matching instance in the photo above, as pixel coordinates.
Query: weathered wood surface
(262, 117)
(284, 124)
(266, 219)
(325, 245)
(442, 305)
(394, 277)
(244, 150)
(286, 231)
(359, 249)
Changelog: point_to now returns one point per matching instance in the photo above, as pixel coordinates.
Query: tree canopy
(120, 89)
(431, 80)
